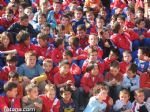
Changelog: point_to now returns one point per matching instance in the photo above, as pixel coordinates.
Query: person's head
(44, 5)
(13, 77)
(105, 33)
(10, 89)
(142, 52)
(13, 7)
(30, 59)
(131, 70)
(74, 42)
(101, 92)
(29, 12)
(90, 15)
(6, 39)
(41, 18)
(32, 91)
(22, 7)
(100, 22)
(60, 31)
(117, 28)
(72, 6)
(47, 65)
(67, 55)
(127, 56)
(24, 19)
(93, 69)
(140, 23)
(113, 55)
(103, 12)
(78, 13)
(140, 12)
(124, 95)
(93, 40)
(56, 6)
(139, 96)
(9, 14)
(66, 93)
(11, 60)
(59, 43)
(42, 39)
(45, 28)
(23, 37)
(64, 67)
(130, 13)
(65, 20)
(114, 68)
(81, 30)
(50, 91)
(121, 20)
(92, 54)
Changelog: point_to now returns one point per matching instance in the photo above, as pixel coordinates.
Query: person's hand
(113, 82)
(106, 44)
(141, 37)
(69, 82)
(34, 80)
(26, 79)
(110, 101)
(38, 105)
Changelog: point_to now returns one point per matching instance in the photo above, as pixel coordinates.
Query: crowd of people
(74, 56)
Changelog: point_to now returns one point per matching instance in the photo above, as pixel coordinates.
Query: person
(139, 105)
(100, 22)
(67, 103)
(50, 101)
(10, 100)
(123, 104)
(96, 102)
(114, 79)
(31, 100)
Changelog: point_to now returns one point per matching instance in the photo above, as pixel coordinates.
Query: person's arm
(125, 83)
(51, 19)
(10, 52)
(137, 85)
(84, 84)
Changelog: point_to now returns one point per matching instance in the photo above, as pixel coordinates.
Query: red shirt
(107, 62)
(83, 41)
(50, 104)
(9, 47)
(58, 79)
(88, 81)
(145, 80)
(129, 24)
(50, 76)
(132, 35)
(110, 77)
(122, 41)
(123, 65)
(117, 4)
(5, 101)
(57, 55)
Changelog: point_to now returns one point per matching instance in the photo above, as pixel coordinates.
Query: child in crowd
(10, 100)
(123, 104)
(114, 79)
(100, 22)
(139, 104)
(31, 100)
(50, 102)
(67, 103)
(96, 103)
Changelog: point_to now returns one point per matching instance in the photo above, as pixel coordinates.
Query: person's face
(130, 15)
(31, 61)
(64, 69)
(142, 24)
(99, 23)
(51, 94)
(13, 93)
(21, 10)
(103, 94)
(11, 64)
(93, 56)
(114, 71)
(106, 35)
(5, 41)
(127, 57)
(112, 56)
(27, 41)
(28, 12)
(41, 42)
(90, 16)
(47, 66)
(103, 13)
(56, 7)
(95, 70)
(41, 19)
(80, 33)
(73, 7)
(140, 97)
(67, 58)
(93, 40)
(140, 54)
(15, 80)
(66, 95)
(33, 93)
(44, 7)
(139, 14)
(25, 22)
(78, 15)
(120, 21)
(130, 74)
(9, 17)
(65, 21)
(124, 97)
(45, 30)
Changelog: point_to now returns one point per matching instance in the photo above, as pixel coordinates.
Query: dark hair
(57, 1)
(115, 51)
(116, 26)
(68, 53)
(22, 36)
(64, 62)
(74, 41)
(98, 88)
(121, 17)
(59, 29)
(42, 14)
(79, 8)
(100, 17)
(23, 5)
(42, 36)
(8, 86)
(92, 49)
(81, 27)
(46, 25)
(140, 9)
(13, 75)
(23, 17)
(9, 11)
(132, 67)
(58, 42)
(144, 50)
(30, 86)
(9, 35)
(65, 16)
(138, 21)
(104, 30)
(140, 90)
(66, 88)
(11, 58)
(114, 64)
(91, 66)
(131, 9)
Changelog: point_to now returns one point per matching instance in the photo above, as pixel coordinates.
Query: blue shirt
(95, 106)
(23, 70)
